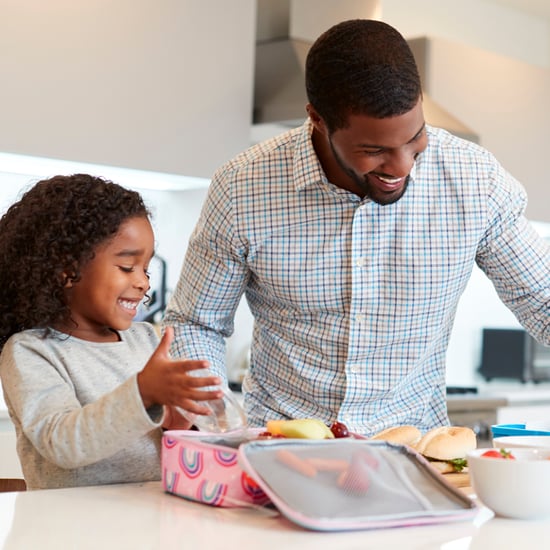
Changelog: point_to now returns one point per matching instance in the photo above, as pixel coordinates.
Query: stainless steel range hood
(279, 90)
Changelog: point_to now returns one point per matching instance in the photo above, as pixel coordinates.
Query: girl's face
(113, 283)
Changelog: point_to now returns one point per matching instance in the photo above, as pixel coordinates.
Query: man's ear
(317, 121)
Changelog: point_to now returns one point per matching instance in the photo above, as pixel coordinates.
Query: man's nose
(399, 163)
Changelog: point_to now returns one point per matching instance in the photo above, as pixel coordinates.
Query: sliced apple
(274, 426)
(305, 428)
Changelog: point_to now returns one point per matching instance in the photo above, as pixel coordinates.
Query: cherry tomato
(339, 429)
(499, 453)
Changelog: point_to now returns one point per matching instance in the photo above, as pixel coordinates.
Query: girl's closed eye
(131, 269)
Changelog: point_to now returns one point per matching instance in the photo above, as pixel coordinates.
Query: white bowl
(517, 488)
(515, 441)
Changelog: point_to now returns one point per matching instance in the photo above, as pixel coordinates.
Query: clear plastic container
(226, 413)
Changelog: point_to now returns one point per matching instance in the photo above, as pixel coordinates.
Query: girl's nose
(142, 282)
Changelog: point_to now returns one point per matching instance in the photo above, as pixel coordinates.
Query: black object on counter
(513, 354)
(454, 390)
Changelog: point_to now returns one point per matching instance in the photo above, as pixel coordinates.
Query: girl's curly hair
(47, 237)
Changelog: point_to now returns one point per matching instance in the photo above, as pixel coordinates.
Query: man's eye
(147, 273)
(126, 269)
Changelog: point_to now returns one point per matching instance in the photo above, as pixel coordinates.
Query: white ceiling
(534, 7)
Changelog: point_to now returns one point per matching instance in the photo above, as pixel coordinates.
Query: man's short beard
(363, 183)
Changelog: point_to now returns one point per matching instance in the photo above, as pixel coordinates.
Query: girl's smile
(112, 284)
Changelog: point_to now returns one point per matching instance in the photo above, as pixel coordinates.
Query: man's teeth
(128, 304)
(389, 180)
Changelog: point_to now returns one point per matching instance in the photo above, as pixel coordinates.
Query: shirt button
(360, 262)
(359, 318)
(354, 369)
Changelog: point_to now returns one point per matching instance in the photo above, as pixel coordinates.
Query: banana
(300, 428)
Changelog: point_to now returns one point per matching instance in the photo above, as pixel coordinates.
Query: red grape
(339, 429)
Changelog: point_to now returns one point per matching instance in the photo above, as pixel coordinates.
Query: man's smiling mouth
(385, 183)
(389, 180)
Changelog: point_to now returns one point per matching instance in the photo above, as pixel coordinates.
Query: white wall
(485, 24)
(505, 101)
(327, 12)
(162, 86)
(480, 23)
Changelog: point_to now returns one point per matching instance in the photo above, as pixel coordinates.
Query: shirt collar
(307, 169)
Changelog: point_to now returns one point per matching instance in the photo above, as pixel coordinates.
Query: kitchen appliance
(152, 309)
(514, 354)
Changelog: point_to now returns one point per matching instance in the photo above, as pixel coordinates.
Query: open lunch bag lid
(335, 485)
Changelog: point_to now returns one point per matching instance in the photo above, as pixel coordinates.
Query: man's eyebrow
(419, 132)
(373, 146)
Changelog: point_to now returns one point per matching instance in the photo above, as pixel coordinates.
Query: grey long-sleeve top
(78, 414)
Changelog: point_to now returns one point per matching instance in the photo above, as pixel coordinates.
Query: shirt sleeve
(515, 258)
(211, 283)
(58, 426)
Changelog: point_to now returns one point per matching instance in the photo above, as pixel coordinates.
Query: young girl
(88, 389)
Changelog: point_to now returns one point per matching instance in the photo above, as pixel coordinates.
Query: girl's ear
(67, 278)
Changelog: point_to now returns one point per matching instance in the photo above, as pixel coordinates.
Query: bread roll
(405, 435)
(447, 442)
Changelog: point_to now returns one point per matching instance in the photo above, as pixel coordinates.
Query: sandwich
(446, 447)
(404, 435)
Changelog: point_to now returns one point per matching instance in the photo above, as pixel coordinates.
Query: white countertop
(518, 394)
(137, 516)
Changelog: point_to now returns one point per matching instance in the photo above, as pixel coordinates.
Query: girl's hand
(173, 420)
(165, 381)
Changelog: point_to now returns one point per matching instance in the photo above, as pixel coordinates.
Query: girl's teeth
(128, 305)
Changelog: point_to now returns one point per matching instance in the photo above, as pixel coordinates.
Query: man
(353, 238)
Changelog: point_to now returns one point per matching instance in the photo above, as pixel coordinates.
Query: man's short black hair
(361, 66)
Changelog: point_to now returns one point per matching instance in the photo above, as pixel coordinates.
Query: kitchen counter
(143, 516)
(518, 394)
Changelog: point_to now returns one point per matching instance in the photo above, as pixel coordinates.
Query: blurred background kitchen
(156, 95)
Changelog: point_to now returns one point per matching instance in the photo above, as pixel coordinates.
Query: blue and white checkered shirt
(353, 301)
